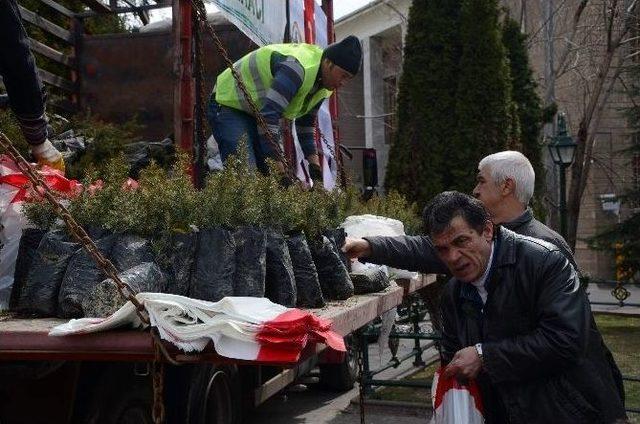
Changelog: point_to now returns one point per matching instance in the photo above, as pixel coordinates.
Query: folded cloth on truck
(246, 328)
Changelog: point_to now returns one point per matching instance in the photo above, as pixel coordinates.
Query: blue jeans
(229, 126)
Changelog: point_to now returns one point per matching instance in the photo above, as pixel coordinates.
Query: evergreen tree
(426, 101)
(526, 102)
(483, 105)
(454, 103)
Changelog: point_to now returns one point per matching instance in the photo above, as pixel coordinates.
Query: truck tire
(341, 377)
(123, 398)
(215, 395)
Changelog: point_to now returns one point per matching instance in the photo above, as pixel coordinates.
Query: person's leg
(229, 126)
(18, 70)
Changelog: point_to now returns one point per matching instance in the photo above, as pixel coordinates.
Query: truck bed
(27, 339)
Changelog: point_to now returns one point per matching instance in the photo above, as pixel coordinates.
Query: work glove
(316, 175)
(47, 154)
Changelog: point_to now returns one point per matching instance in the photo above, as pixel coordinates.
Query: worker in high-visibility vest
(24, 89)
(284, 81)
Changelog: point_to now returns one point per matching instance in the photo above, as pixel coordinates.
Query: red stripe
(446, 384)
(53, 178)
(283, 338)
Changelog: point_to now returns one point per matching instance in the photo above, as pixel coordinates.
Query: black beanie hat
(347, 54)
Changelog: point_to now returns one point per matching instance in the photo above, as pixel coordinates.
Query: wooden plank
(28, 339)
(97, 6)
(50, 27)
(56, 81)
(416, 284)
(59, 8)
(51, 53)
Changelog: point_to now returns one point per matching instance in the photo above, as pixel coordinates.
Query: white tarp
(263, 21)
(247, 328)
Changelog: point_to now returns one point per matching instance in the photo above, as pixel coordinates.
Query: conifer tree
(526, 101)
(454, 103)
(483, 99)
(426, 101)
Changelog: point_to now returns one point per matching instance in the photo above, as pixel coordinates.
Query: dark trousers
(19, 74)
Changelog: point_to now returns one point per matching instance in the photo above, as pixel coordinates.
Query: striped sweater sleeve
(305, 128)
(288, 75)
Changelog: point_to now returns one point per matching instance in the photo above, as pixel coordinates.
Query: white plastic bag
(359, 226)
(454, 402)
(12, 221)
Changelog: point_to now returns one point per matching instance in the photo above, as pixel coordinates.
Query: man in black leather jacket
(515, 318)
(505, 183)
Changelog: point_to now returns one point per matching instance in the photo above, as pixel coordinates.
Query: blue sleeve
(305, 129)
(288, 75)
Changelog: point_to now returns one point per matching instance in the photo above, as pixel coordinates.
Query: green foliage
(454, 104)
(526, 101)
(39, 214)
(418, 166)
(164, 202)
(9, 126)
(230, 197)
(483, 96)
(107, 141)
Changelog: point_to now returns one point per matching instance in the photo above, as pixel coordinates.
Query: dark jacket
(527, 225)
(544, 360)
(416, 253)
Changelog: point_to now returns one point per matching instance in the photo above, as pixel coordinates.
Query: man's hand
(47, 154)
(356, 248)
(465, 364)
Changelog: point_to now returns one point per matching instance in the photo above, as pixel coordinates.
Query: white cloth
(359, 226)
(246, 328)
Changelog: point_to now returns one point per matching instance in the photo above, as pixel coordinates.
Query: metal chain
(361, 345)
(158, 410)
(200, 148)
(201, 12)
(74, 228)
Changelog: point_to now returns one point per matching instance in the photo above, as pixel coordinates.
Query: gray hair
(514, 165)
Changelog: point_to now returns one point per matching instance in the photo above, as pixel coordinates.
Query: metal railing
(620, 294)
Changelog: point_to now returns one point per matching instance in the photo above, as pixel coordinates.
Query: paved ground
(310, 404)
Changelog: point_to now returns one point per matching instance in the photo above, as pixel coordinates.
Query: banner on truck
(263, 21)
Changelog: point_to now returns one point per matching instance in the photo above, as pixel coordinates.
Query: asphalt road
(309, 403)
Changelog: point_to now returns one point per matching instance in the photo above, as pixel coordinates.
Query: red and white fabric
(455, 402)
(14, 191)
(246, 328)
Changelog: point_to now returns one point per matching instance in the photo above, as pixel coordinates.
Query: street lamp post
(562, 149)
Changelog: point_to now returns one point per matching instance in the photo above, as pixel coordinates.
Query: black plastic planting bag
(130, 250)
(39, 294)
(251, 258)
(334, 278)
(82, 275)
(370, 280)
(215, 265)
(280, 285)
(104, 299)
(308, 290)
(180, 260)
(27, 249)
(337, 237)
